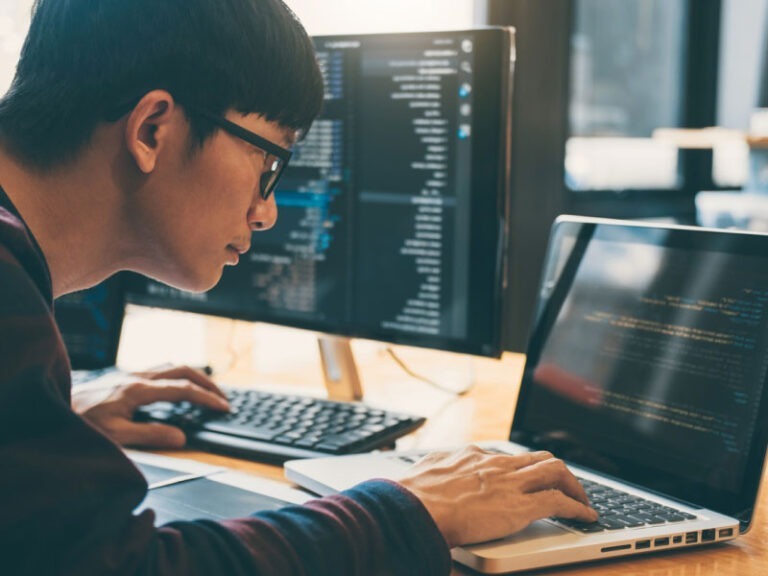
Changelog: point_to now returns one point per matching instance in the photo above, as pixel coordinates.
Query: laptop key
(649, 519)
(591, 528)
(631, 523)
(619, 509)
(580, 526)
(674, 517)
(611, 523)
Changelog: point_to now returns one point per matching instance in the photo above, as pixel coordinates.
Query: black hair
(83, 59)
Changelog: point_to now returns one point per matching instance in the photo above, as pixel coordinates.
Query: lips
(240, 249)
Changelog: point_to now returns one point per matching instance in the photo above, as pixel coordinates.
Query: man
(148, 135)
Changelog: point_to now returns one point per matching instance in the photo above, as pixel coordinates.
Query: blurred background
(622, 108)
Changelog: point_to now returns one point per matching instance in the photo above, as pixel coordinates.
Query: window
(627, 80)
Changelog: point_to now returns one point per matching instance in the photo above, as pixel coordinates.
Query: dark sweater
(67, 492)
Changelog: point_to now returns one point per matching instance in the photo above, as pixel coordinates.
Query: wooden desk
(485, 414)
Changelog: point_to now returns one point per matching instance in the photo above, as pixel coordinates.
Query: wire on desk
(400, 362)
(234, 355)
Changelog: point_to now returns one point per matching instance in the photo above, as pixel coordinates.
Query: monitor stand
(342, 381)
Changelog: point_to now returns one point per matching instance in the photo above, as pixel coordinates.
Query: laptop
(646, 372)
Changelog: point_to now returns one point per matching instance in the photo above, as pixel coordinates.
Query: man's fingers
(475, 453)
(554, 503)
(141, 394)
(552, 474)
(186, 373)
(520, 461)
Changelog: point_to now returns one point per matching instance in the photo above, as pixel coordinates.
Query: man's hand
(475, 496)
(112, 411)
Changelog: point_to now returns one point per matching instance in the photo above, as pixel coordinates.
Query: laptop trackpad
(541, 530)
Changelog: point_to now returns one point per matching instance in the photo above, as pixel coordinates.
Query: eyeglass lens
(269, 178)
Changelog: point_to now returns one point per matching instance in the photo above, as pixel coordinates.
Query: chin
(191, 281)
(203, 284)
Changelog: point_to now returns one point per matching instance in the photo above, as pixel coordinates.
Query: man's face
(209, 204)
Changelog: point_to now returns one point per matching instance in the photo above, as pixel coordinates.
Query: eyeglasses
(276, 157)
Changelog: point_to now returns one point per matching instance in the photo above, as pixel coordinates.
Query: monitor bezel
(114, 312)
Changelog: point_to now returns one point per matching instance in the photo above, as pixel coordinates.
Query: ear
(149, 127)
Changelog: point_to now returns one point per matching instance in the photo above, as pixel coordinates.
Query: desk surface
(485, 413)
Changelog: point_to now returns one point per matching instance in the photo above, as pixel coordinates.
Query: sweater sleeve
(375, 528)
(68, 493)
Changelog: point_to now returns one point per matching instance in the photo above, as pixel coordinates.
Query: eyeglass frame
(282, 154)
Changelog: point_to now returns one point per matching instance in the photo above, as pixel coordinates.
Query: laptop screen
(648, 358)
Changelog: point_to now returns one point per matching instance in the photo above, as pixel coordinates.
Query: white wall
(318, 16)
(363, 16)
(14, 21)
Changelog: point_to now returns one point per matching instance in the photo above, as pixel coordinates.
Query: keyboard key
(253, 432)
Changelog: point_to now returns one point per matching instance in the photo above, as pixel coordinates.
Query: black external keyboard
(619, 510)
(277, 427)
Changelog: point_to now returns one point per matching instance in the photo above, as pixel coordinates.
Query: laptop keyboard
(619, 510)
(264, 425)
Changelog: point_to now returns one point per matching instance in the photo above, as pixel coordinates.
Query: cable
(234, 355)
(400, 362)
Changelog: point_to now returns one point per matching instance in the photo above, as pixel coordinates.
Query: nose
(262, 215)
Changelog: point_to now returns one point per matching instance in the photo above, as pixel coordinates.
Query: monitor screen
(392, 212)
(90, 322)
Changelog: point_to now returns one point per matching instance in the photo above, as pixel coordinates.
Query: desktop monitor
(393, 211)
(90, 322)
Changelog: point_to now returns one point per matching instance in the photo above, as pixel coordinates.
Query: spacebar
(246, 431)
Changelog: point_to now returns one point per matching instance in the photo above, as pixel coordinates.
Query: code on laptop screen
(650, 356)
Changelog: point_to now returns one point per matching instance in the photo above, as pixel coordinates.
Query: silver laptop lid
(648, 359)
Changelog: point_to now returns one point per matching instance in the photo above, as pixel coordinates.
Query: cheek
(221, 186)
(238, 181)
(227, 190)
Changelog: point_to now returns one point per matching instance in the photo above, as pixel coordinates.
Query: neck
(75, 213)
